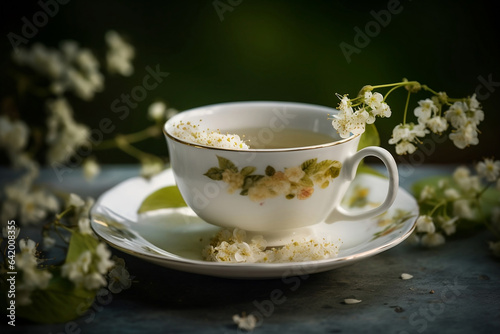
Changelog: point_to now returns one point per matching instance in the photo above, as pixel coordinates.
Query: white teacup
(278, 192)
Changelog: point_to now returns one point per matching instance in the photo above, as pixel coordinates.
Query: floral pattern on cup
(294, 182)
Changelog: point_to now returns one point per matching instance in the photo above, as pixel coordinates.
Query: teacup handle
(350, 167)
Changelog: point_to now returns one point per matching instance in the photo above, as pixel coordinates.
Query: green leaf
(308, 165)
(247, 170)
(322, 166)
(306, 181)
(167, 197)
(270, 171)
(370, 137)
(334, 171)
(227, 164)
(214, 173)
(364, 169)
(78, 244)
(60, 302)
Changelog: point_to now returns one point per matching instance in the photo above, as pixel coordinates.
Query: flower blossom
(13, 135)
(33, 278)
(425, 110)
(404, 135)
(89, 268)
(120, 54)
(489, 169)
(465, 136)
(432, 239)
(425, 224)
(348, 121)
(119, 277)
(71, 68)
(65, 135)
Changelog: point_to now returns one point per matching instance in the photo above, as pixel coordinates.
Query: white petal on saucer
(406, 276)
(352, 301)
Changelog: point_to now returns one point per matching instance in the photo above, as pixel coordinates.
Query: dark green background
(279, 50)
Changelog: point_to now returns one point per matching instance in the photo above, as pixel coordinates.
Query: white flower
(120, 54)
(489, 169)
(245, 322)
(151, 167)
(462, 209)
(451, 194)
(437, 124)
(377, 105)
(13, 135)
(425, 110)
(457, 114)
(6, 232)
(347, 122)
(449, 226)
(465, 136)
(90, 168)
(48, 242)
(477, 115)
(74, 200)
(425, 224)
(82, 273)
(65, 135)
(31, 205)
(407, 132)
(84, 225)
(428, 192)
(405, 147)
(71, 69)
(432, 239)
(345, 103)
(93, 281)
(103, 255)
(119, 279)
(32, 277)
(474, 104)
(156, 111)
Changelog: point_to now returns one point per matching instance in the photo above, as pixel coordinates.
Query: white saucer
(174, 238)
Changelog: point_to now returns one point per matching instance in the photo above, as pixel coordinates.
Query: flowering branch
(463, 200)
(463, 115)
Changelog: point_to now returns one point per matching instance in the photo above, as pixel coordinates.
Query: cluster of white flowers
(14, 136)
(70, 69)
(455, 200)
(64, 134)
(32, 277)
(464, 116)
(89, 269)
(234, 246)
(350, 121)
(192, 133)
(25, 200)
